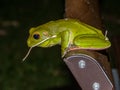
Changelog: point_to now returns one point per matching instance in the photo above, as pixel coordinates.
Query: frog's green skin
(70, 34)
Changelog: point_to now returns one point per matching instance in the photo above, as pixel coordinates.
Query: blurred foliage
(42, 69)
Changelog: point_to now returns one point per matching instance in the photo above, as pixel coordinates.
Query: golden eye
(36, 36)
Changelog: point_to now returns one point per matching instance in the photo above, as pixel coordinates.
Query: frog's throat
(36, 45)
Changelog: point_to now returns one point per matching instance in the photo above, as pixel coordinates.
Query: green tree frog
(70, 34)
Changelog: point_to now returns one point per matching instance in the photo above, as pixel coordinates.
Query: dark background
(44, 68)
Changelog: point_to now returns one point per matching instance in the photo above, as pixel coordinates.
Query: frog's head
(38, 37)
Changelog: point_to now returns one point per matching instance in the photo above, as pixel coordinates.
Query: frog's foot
(73, 48)
(63, 54)
(70, 49)
(65, 51)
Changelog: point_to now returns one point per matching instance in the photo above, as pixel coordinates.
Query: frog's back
(72, 25)
(76, 26)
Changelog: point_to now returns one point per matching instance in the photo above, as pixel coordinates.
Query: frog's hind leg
(91, 42)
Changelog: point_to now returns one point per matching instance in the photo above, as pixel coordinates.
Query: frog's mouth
(38, 44)
(41, 42)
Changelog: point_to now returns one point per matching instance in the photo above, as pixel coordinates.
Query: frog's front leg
(65, 42)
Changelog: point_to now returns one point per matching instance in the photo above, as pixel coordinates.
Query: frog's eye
(36, 36)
